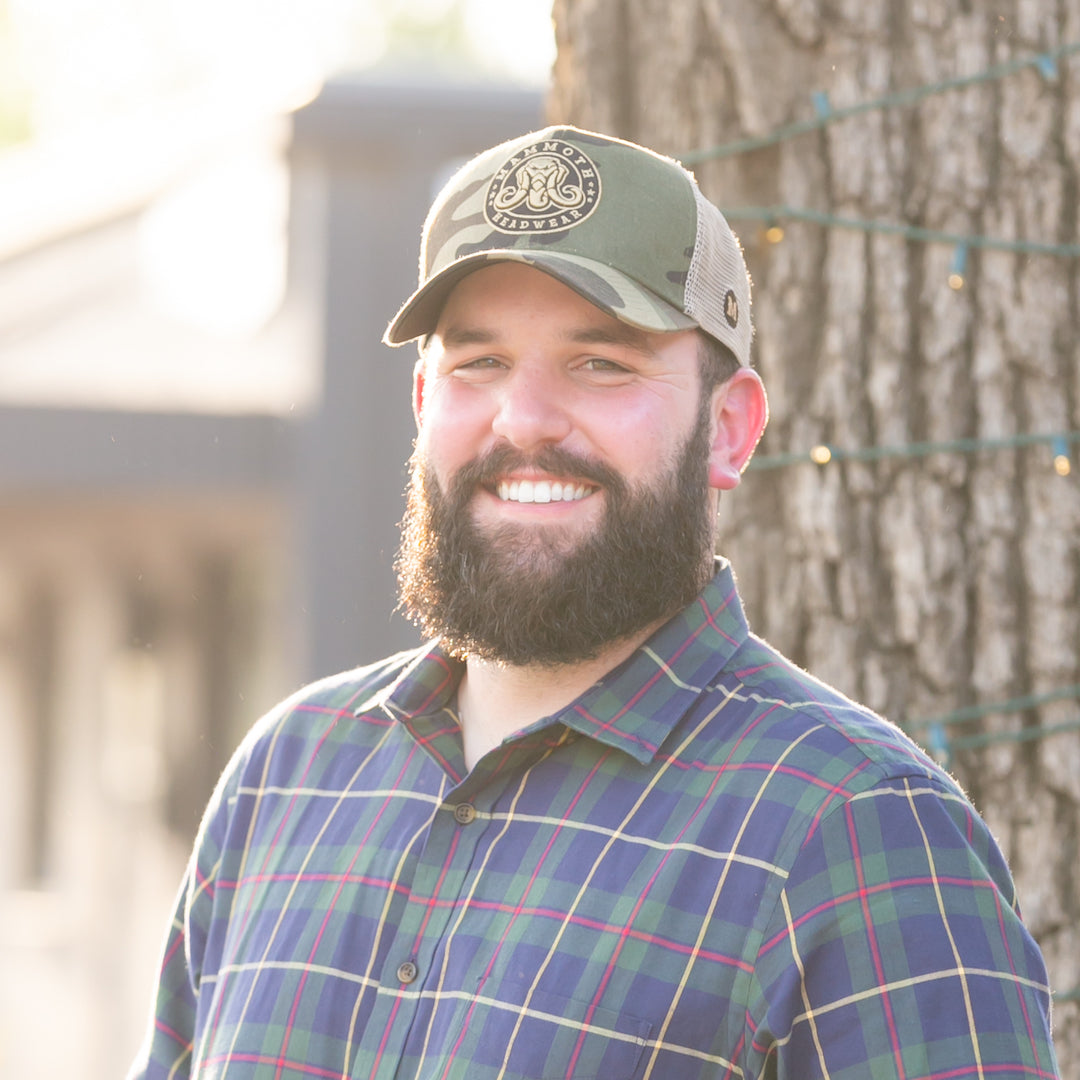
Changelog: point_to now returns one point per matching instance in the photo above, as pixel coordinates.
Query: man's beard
(521, 594)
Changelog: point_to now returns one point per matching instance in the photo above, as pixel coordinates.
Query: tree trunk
(922, 583)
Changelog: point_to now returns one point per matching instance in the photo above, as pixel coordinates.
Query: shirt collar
(635, 705)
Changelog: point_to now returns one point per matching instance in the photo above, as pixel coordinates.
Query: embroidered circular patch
(545, 187)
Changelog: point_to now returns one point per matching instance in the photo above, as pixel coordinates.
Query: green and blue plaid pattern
(709, 865)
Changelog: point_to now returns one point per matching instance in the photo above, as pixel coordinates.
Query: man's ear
(740, 411)
(418, 391)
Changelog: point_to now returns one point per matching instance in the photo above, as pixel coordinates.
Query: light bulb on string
(1062, 464)
(959, 265)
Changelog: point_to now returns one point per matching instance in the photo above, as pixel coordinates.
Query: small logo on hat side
(731, 309)
(546, 187)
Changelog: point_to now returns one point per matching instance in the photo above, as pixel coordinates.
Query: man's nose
(532, 410)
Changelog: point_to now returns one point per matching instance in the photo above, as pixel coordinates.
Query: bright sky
(82, 60)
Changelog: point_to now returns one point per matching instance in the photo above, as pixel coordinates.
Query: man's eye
(602, 363)
(480, 363)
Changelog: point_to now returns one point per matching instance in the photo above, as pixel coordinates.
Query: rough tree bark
(920, 585)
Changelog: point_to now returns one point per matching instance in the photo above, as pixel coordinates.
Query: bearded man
(595, 827)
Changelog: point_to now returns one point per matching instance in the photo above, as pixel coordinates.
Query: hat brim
(611, 291)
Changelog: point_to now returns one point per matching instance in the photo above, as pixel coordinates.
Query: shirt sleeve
(897, 949)
(170, 1038)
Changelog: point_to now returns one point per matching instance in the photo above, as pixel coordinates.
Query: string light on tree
(959, 265)
(824, 115)
(1062, 464)
(822, 454)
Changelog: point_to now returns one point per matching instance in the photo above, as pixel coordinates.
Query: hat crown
(621, 224)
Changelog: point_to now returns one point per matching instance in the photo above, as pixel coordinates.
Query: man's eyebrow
(618, 334)
(457, 336)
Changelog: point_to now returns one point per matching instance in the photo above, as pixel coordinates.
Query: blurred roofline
(409, 108)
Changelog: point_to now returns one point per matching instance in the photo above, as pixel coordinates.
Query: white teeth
(540, 491)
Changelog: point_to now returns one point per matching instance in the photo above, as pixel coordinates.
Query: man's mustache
(484, 471)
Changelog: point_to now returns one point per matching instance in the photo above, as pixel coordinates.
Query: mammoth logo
(546, 187)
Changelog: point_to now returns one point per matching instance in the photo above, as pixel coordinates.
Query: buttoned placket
(450, 854)
(440, 880)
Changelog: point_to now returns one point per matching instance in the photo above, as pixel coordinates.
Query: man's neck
(495, 700)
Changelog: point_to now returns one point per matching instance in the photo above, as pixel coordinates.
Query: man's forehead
(460, 334)
(474, 311)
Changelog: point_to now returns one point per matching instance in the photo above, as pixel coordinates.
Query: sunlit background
(161, 368)
(103, 101)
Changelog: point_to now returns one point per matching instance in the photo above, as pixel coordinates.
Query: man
(596, 828)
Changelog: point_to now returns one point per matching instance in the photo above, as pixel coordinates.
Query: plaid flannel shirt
(708, 865)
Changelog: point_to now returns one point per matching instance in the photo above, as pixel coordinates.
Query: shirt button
(407, 972)
(464, 813)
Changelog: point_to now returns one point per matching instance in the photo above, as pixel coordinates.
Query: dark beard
(515, 595)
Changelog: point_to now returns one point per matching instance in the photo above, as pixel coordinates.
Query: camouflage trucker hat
(623, 226)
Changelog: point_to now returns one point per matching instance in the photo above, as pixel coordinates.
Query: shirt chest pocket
(542, 1036)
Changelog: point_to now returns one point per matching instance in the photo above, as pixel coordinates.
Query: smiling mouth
(542, 491)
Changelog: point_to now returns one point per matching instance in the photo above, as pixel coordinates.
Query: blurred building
(202, 448)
